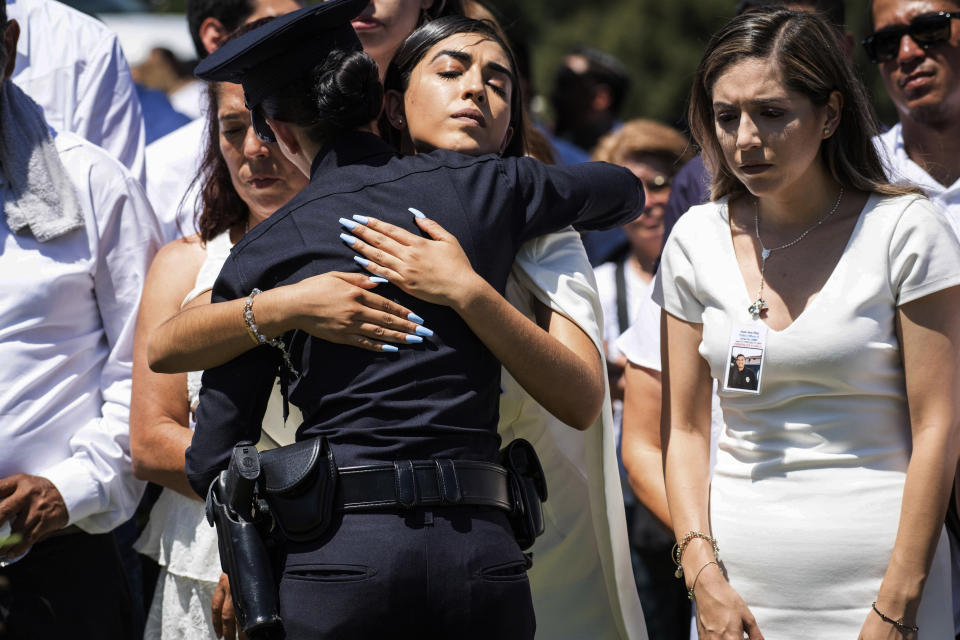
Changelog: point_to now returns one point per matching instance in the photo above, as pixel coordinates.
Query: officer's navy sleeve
(233, 398)
(589, 196)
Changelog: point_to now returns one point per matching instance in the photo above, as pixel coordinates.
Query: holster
(528, 488)
(242, 531)
(299, 484)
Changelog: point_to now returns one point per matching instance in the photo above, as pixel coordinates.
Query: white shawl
(582, 581)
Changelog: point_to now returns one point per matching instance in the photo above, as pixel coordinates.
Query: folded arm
(553, 359)
(337, 307)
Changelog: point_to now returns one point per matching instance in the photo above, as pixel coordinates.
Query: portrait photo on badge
(745, 359)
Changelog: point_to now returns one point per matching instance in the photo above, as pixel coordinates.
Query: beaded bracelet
(901, 626)
(248, 317)
(681, 546)
(258, 337)
(690, 595)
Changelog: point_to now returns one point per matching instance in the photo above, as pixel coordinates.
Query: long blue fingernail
(416, 212)
(412, 317)
(414, 339)
(347, 239)
(378, 280)
(423, 331)
(361, 219)
(349, 224)
(389, 348)
(363, 262)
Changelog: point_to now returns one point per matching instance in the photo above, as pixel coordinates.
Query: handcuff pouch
(527, 485)
(299, 484)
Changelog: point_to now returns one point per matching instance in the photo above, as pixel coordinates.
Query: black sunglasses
(927, 31)
(260, 126)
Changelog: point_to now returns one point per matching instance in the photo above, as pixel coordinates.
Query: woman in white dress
(556, 397)
(832, 478)
(243, 181)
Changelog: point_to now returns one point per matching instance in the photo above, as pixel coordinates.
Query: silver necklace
(760, 304)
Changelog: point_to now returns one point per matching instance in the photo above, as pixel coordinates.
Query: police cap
(274, 54)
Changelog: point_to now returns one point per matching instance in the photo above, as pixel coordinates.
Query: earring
(826, 131)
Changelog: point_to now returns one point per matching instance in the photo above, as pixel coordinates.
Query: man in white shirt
(76, 239)
(916, 47)
(175, 158)
(72, 66)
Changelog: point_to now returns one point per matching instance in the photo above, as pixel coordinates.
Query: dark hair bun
(347, 91)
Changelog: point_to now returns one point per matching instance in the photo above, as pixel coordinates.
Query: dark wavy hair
(219, 206)
(340, 94)
(808, 52)
(416, 46)
(440, 9)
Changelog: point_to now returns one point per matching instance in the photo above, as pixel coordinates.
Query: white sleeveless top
(177, 535)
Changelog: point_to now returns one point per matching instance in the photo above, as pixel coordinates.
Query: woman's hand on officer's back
(340, 307)
(434, 269)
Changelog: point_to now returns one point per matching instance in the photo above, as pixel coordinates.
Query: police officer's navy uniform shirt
(436, 399)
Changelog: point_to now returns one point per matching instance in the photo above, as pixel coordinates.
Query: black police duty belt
(407, 484)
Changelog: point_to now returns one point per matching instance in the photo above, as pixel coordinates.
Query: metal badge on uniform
(745, 358)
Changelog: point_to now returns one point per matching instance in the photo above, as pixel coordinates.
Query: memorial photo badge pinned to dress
(745, 358)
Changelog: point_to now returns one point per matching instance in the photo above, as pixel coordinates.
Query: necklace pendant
(765, 253)
(757, 308)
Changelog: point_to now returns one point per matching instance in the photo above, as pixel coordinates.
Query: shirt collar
(903, 167)
(354, 147)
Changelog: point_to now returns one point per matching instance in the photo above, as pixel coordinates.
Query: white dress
(806, 493)
(581, 580)
(178, 536)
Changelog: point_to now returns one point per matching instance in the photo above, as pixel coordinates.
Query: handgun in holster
(243, 524)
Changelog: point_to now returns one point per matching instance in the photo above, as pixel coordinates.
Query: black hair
(230, 13)
(870, 21)
(440, 9)
(3, 30)
(416, 46)
(340, 94)
(602, 69)
(834, 11)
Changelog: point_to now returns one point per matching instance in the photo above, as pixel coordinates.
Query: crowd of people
(486, 377)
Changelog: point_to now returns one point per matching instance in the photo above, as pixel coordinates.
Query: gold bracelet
(681, 546)
(690, 595)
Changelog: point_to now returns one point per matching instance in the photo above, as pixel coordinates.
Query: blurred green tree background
(659, 41)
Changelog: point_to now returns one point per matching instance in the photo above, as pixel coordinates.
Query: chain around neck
(764, 252)
(759, 305)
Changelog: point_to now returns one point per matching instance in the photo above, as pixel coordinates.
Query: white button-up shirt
(73, 67)
(900, 168)
(67, 317)
(174, 160)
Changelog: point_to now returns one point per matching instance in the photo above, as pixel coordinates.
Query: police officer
(740, 376)
(419, 542)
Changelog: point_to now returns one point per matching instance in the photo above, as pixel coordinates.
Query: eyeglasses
(927, 31)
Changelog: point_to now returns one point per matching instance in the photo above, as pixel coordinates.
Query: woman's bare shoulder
(177, 263)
